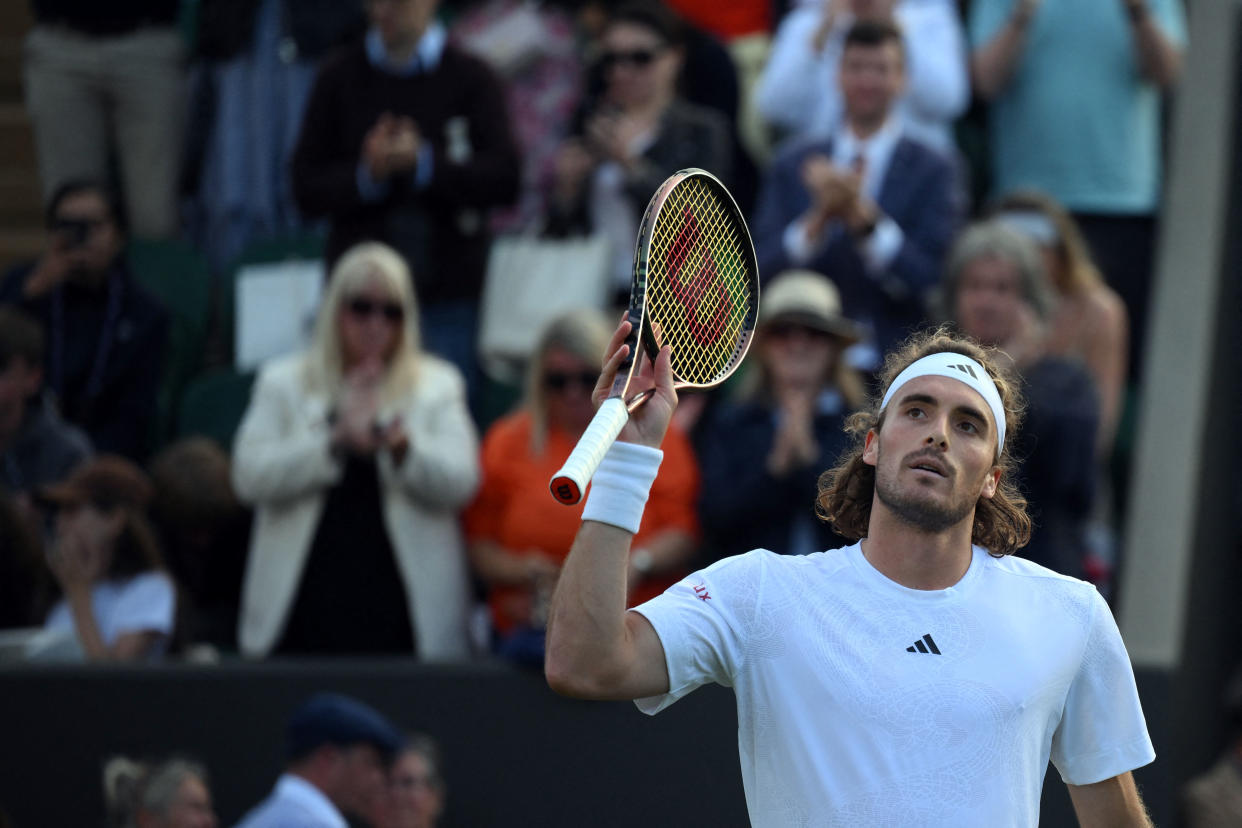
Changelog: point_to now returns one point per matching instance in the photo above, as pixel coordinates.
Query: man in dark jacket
(406, 140)
(105, 334)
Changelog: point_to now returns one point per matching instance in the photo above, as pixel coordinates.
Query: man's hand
(54, 266)
(391, 146)
(835, 191)
(649, 422)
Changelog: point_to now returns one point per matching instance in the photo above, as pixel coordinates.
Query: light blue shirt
(1077, 120)
(294, 803)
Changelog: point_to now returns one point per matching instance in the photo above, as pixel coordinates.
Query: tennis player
(923, 676)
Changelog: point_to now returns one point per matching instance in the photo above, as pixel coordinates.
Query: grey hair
(165, 780)
(131, 786)
(992, 239)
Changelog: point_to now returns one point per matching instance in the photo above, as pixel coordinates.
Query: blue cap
(334, 719)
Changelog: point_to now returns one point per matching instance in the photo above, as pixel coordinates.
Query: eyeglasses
(560, 380)
(362, 307)
(638, 58)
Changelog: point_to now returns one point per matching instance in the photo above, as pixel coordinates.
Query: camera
(74, 232)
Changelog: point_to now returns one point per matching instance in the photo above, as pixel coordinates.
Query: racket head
(696, 279)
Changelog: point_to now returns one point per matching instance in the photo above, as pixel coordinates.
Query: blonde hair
(363, 263)
(583, 333)
(846, 492)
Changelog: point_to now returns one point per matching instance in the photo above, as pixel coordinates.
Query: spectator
(798, 91)
(996, 292)
(519, 535)
(118, 603)
(868, 206)
(204, 531)
(533, 48)
(356, 455)
(762, 455)
(105, 334)
(105, 81)
(636, 135)
(709, 78)
(337, 750)
(170, 794)
(37, 447)
(406, 140)
(1089, 322)
(416, 790)
(1074, 92)
(258, 60)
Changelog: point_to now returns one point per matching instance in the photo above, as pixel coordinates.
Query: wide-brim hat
(808, 298)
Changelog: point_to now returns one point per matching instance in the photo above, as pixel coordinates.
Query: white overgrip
(568, 484)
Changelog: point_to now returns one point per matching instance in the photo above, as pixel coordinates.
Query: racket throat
(638, 399)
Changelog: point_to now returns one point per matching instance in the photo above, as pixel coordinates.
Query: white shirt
(143, 603)
(294, 803)
(863, 702)
(798, 89)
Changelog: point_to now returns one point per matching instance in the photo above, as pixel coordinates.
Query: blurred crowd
(994, 165)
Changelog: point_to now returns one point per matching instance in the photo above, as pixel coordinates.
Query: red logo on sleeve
(701, 592)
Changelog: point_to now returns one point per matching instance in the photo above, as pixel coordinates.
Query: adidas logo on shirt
(924, 645)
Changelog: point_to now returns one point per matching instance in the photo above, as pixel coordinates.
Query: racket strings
(703, 306)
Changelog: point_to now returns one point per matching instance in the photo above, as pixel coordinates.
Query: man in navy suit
(868, 207)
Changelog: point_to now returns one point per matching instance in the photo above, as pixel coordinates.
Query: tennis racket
(696, 289)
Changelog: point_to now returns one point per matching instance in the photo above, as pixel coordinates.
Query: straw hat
(807, 298)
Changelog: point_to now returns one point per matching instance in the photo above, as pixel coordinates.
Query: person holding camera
(105, 335)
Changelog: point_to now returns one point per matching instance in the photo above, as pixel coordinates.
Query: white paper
(276, 305)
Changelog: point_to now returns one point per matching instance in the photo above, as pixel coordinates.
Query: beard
(917, 508)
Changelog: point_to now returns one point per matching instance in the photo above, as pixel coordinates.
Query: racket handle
(568, 484)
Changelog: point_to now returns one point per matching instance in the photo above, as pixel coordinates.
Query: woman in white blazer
(357, 455)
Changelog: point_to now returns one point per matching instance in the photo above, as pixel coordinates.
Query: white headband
(964, 370)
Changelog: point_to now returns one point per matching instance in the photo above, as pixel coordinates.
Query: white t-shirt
(142, 603)
(863, 702)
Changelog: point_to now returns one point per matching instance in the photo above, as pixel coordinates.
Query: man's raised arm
(595, 649)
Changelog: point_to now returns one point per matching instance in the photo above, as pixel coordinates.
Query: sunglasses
(638, 58)
(362, 308)
(785, 330)
(560, 380)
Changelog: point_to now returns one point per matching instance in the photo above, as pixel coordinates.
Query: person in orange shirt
(518, 535)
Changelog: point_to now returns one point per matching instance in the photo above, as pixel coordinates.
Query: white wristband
(620, 486)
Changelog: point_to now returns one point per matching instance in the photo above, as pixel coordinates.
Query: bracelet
(621, 484)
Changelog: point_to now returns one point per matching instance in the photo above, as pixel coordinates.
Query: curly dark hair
(847, 490)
